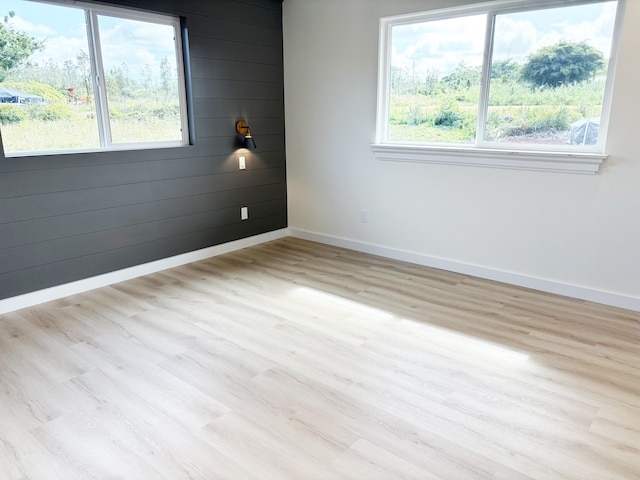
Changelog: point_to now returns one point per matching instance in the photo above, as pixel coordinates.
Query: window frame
(577, 159)
(92, 12)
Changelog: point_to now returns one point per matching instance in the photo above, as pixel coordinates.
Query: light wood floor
(293, 360)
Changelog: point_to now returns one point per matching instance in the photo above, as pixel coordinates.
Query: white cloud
(439, 45)
(443, 44)
(515, 40)
(57, 46)
(123, 41)
(596, 33)
(136, 44)
(32, 29)
(61, 48)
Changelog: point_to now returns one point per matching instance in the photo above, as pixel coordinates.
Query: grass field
(515, 113)
(77, 132)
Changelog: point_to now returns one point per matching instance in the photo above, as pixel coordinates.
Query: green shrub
(400, 115)
(550, 119)
(50, 94)
(510, 121)
(448, 116)
(138, 110)
(11, 113)
(165, 111)
(536, 119)
(48, 112)
(512, 93)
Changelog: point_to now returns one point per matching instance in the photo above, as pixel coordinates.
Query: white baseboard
(550, 286)
(60, 291)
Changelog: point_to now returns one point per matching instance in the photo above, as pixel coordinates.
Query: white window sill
(546, 161)
(113, 148)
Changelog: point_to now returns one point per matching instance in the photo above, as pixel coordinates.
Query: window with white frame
(512, 83)
(90, 77)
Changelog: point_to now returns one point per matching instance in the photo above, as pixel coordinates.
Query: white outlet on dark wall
(242, 164)
(244, 213)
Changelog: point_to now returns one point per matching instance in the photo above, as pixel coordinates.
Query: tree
(48, 72)
(147, 79)
(119, 82)
(165, 77)
(564, 63)
(15, 47)
(84, 68)
(464, 76)
(505, 70)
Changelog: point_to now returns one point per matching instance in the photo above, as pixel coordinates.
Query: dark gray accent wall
(68, 217)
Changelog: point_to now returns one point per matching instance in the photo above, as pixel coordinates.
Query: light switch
(242, 163)
(244, 213)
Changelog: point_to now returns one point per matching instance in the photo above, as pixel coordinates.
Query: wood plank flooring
(293, 360)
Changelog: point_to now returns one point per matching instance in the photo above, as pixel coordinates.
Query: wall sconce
(243, 129)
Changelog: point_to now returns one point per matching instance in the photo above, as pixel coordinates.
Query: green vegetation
(80, 132)
(65, 121)
(562, 64)
(139, 111)
(142, 107)
(15, 47)
(526, 102)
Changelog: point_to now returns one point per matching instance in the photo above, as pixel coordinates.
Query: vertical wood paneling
(68, 217)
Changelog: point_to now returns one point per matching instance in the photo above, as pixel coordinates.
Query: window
(508, 83)
(93, 77)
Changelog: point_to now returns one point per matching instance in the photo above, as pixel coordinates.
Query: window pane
(46, 100)
(436, 70)
(141, 74)
(548, 75)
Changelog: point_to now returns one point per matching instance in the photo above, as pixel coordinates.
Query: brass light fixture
(243, 129)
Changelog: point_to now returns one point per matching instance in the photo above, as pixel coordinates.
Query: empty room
(319, 240)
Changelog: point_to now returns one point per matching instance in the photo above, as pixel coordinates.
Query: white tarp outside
(8, 95)
(585, 131)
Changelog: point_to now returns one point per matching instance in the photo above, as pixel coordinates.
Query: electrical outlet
(364, 216)
(244, 213)
(242, 163)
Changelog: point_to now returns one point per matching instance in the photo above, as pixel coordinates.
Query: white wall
(567, 229)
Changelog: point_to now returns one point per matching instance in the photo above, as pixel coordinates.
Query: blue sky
(37, 13)
(64, 31)
(441, 45)
(64, 37)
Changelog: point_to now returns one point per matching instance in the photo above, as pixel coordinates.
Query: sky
(64, 32)
(442, 45)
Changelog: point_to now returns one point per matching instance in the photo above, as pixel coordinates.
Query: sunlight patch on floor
(442, 337)
(465, 344)
(336, 302)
